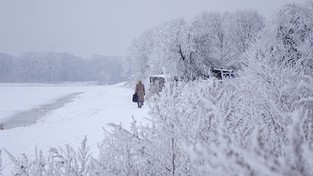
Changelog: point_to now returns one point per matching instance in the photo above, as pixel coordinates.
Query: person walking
(140, 91)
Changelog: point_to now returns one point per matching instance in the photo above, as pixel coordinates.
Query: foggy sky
(106, 27)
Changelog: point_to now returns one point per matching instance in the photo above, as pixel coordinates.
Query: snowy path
(85, 116)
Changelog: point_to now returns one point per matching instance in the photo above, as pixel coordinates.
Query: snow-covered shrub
(68, 161)
(264, 124)
(180, 116)
(156, 149)
(59, 161)
(266, 112)
(168, 132)
(226, 157)
(120, 153)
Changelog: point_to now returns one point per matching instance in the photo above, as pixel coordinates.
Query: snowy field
(85, 116)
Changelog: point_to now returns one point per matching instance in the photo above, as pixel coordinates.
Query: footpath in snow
(86, 115)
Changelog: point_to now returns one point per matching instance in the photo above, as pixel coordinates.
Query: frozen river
(31, 116)
(27, 98)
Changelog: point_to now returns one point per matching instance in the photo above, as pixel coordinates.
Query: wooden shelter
(156, 83)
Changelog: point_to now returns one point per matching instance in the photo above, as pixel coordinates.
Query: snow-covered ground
(85, 116)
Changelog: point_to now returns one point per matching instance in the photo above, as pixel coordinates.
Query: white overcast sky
(106, 27)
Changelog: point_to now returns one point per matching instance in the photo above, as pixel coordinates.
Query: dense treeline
(59, 67)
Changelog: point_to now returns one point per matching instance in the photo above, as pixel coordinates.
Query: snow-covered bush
(266, 112)
(120, 153)
(59, 161)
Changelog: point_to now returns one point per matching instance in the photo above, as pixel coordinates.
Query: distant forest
(52, 67)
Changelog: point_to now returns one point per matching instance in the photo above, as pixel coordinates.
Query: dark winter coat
(140, 90)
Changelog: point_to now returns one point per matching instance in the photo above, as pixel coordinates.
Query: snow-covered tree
(190, 48)
(136, 63)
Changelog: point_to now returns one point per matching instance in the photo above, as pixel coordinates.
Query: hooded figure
(140, 91)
